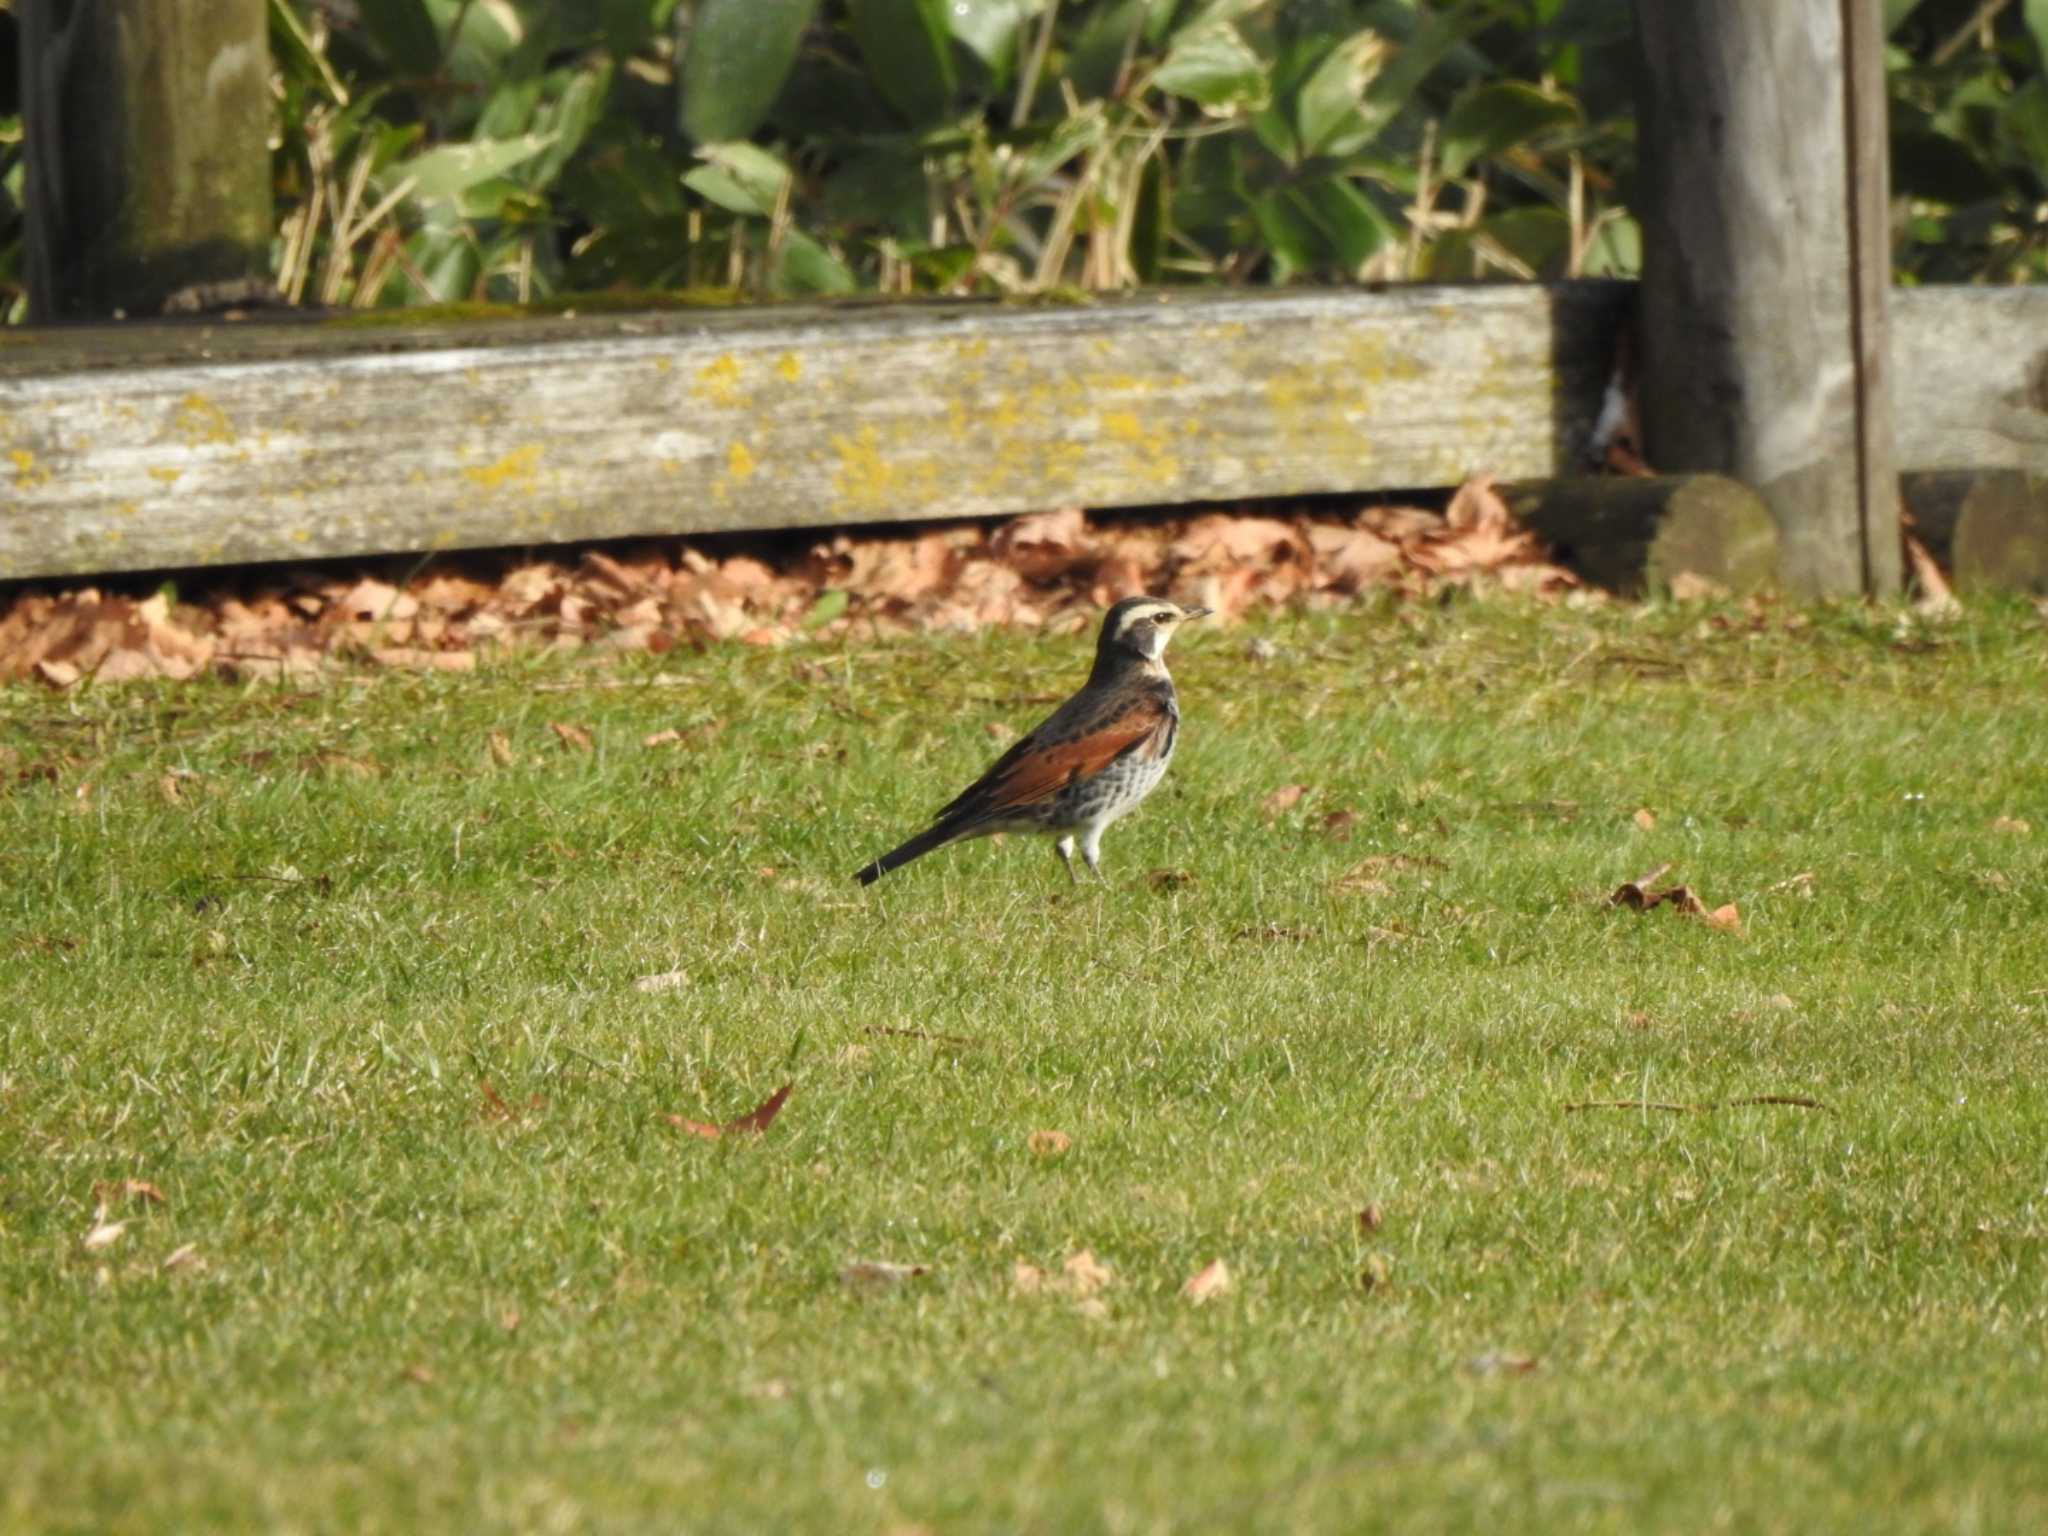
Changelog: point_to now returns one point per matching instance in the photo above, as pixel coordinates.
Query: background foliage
(517, 150)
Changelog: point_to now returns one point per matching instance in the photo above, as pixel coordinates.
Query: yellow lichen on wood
(516, 468)
(739, 461)
(1151, 452)
(862, 478)
(1023, 472)
(199, 421)
(1368, 359)
(27, 473)
(718, 382)
(789, 367)
(870, 476)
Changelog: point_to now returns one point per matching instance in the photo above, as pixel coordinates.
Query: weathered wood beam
(1970, 378)
(679, 423)
(153, 446)
(1766, 269)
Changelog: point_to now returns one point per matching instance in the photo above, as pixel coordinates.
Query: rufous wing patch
(1040, 774)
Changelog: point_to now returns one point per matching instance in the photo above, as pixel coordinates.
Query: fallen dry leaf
(1338, 824)
(1169, 879)
(573, 737)
(758, 1119)
(1283, 799)
(1216, 542)
(416, 1375)
(339, 765)
(1501, 1363)
(500, 747)
(1636, 893)
(1048, 1143)
(1645, 819)
(184, 1256)
(1692, 587)
(876, 1275)
(371, 602)
(753, 1123)
(495, 1108)
(1643, 893)
(2012, 824)
(1936, 599)
(1724, 919)
(1371, 1218)
(1085, 1275)
(1055, 568)
(104, 1235)
(662, 981)
(1081, 1275)
(691, 1127)
(1043, 546)
(668, 738)
(1210, 1281)
(108, 1193)
(1376, 1274)
(1356, 884)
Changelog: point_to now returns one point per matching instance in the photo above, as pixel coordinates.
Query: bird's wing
(1073, 744)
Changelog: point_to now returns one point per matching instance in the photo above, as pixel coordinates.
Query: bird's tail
(916, 848)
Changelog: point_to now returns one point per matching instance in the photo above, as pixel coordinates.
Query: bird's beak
(1195, 613)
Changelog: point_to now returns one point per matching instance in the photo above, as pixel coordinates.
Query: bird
(1090, 761)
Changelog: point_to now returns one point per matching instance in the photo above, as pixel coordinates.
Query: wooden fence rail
(144, 447)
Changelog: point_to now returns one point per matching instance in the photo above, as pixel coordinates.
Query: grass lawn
(263, 948)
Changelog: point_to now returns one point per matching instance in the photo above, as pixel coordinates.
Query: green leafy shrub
(533, 150)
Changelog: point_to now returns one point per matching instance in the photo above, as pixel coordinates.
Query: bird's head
(1141, 626)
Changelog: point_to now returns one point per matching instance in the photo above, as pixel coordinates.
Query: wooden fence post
(146, 125)
(1766, 265)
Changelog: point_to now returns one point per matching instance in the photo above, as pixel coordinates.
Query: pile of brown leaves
(1056, 568)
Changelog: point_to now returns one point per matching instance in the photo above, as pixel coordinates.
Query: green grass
(277, 995)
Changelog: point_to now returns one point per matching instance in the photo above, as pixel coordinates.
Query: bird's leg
(1065, 849)
(1091, 854)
